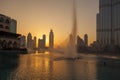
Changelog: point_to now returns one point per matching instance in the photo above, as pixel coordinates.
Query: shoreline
(13, 52)
(117, 55)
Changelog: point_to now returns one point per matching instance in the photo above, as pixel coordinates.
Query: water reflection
(45, 67)
(108, 68)
(33, 68)
(75, 70)
(8, 63)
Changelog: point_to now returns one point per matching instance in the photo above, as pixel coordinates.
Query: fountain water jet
(68, 47)
(71, 45)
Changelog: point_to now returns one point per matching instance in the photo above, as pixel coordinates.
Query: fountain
(71, 45)
(68, 47)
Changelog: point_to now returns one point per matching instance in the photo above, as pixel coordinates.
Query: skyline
(39, 16)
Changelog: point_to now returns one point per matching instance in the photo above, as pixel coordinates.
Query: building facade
(13, 26)
(51, 39)
(5, 23)
(86, 39)
(29, 41)
(22, 42)
(44, 40)
(8, 40)
(34, 43)
(108, 22)
(80, 42)
(42, 43)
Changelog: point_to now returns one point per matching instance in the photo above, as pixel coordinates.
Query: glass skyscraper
(51, 39)
(108, 22)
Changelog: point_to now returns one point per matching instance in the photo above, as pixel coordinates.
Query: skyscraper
(80, 42)
(42, 43)
(51, 39)
(86, 39)
(29, 40)
(22, 42)
(34, 43)
(108, 22)
(44, 40)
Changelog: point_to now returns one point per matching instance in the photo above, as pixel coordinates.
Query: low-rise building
(8, 40)
(42, 43)
(22, 42)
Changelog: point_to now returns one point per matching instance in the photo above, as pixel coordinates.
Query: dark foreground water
(51, 67)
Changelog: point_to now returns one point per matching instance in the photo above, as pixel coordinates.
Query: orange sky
(39, 16)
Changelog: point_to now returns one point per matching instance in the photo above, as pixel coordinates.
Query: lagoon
(48, 66)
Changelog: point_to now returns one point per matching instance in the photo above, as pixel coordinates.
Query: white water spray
(71, 45)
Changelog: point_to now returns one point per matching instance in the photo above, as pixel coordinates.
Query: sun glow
(47, 53)
(47, 42)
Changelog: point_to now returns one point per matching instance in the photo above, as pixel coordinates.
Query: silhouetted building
(29, 41)
(5, 22)
(42, 43)
(23, 42)
(8, 40)
(51, 39)
(81, 46)
(34, 43)
(95, 47)
(44, 39)
(108, 22)
(86, 39)
(80, 42)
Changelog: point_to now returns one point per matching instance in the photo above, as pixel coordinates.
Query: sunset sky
(39, 16)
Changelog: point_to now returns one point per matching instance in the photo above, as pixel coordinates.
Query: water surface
(48, 67)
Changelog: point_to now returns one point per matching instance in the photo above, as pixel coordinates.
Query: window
(1, 26)
(1, 19)
(7, 21)
(7, 27)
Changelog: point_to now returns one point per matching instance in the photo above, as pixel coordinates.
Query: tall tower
(29, 40)
(108, 22)
(44, 40)
(51, 39)
(34, 42)
(86, 39)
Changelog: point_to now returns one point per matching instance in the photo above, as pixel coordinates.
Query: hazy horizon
(39, 16)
